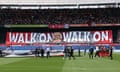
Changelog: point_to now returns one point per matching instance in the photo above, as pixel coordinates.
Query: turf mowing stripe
(84, 64)
(116, 57)
(10, 60)
(53, 64)
(57, 64)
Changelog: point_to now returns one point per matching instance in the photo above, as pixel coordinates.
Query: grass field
(57, 64)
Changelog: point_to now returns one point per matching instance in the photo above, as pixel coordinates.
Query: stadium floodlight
(14, 7)
(83, 7)
(3, 7)
(59, 7)
(102, 6)
(37, 7)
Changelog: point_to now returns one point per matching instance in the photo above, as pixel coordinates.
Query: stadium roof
(51, 2)
(45, 4)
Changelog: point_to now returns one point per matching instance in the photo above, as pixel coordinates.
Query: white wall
(39, 2)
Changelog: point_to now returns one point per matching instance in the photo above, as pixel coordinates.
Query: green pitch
(57, 64)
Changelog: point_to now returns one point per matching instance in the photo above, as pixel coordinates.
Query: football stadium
(59, 35)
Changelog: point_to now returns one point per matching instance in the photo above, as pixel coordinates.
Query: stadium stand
(18, 16)
(60, 16)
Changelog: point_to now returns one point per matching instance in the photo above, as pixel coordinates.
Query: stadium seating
(60, 16)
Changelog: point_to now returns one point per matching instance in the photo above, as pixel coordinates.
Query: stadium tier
(60, 16)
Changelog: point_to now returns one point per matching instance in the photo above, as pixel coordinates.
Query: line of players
(69, 52)
(38, 52)
(41, 51)
(101, 51)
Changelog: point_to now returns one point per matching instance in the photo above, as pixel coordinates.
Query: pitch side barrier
(56, 49)
(57, 46)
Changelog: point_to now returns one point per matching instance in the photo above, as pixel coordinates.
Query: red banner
(59, 37)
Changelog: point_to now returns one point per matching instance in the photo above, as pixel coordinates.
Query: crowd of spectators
(59, 16)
